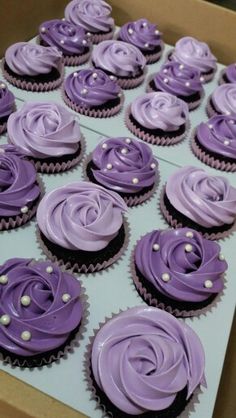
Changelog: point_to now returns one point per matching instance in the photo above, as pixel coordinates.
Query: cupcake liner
(96, 38)
(85, 268)
(130, 83)
(72, 61)
(221, 80)
(209, 109)
(3, 127)
(152, 58)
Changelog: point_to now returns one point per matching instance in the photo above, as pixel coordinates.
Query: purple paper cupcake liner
(72, 61)
(152, 58)
(96, 38)
(209, 110)
(221, 80)
(130, 83)
(3, 127)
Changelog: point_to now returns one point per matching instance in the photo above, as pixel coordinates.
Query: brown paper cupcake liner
(3, 127)
(210, 111)
(96, 38)
(72, 61)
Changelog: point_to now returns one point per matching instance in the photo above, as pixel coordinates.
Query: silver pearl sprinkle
(130, 30)
(26, 336)
(84, 91)
(128, 140)
(188, 248)
(95, 75)
(84, 42)
(187, 84)
(43, 29)
(165, 277)
(144, 24)
(3, 279)
(124, 151)
(226, 142)
(221, 257)
(2, 86)
(24, 209)
(165, 71)
(49, 269)
(25, 300)
(210, 126)
(189, 234)
(88, 34)
(104, 146)
(202, 79)
(166, 80)
(66, 297)
(208, 284)
(75, 74)
(181, 67)
(156, 32)
(156, 247)
(135, 180)
(146, 45)
(112, 78)
(153, 166)
(62, 41)
(109, 166)
(5, 320)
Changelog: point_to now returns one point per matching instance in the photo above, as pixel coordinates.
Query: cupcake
(145, 36)
(81, 226)
(158, 118)
(228, 75)
(214, 142)
(47, 134)
(145, 362)
(222, 101)
(33, 67)
(19, 188)
(92, 15)
(178, 270)
(7, 105)
(194, 199)
(93, 93)
(125, 166)
(71, 40)
(181, 81)
(196, 54)
(121, 60)
(40, 312)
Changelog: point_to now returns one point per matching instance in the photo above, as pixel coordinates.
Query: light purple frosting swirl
(141, 33)
(44, 130)
(25, 58)
(143, 357)
(178, 79)
(188, 270)
(48, 319)
(7, 101)
(224, 99)
(160, 111)
(91, 87)
(138, 161)
(68, 38)
(207, 200)
(219, 135)
(93, 15)
(230, 73)
(118, 58)
(81, 216)
(197, 54)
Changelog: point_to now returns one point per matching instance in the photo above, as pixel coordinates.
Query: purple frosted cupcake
(145, 36)
(33, 67)
(81, 226)
(144, 362)
(181, 81)
(92, 15)
(214, 142)
(71, 40)
(7, 105)
(178, 270)
(19, 188)
(40, 312)
(222, 101)
(196, 54)
(228, 75)
(125, 166)
(121, 60)
(158, 118)
(195, 199)
(47, 134)
(93, 93)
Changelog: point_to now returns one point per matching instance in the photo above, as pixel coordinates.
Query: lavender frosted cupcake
(92, 15)
(181, 81)
(145, 36)
(214, 142)
(178, 270)
(222, 101)
(125, 166)
(228, 75)
(93, 93)
(121, 60)
(198, 200)
(196, 54)
(158, 118)
(33, 67)
(71, 40)
(7, 105)
(40, 312)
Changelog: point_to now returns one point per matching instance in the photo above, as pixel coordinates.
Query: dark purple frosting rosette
(229, 74)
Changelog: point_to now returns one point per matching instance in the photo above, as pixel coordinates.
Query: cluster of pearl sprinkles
(62, 41)
(226, 141)
(181, 67)
(188, 248)
(25, 301)
(84, 91)
(144, 25)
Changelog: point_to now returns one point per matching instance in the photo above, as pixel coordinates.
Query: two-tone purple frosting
(142, 34)
(39, 306)
(209, 201)
(143, 357)
(124, 165)
(223, 99)
(43, 130)
(181, 264)
(7, 101)
(229, 74)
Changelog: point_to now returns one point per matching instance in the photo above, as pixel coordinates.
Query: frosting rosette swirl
(119, 58)
(223, 99)
(67, 37)
(91, 87)
(45, 129)
(120, 161)
(207, 200)
(94, 16)
(189, 260)
(7, 101)
(81, 216)
(197, 54)
(25, 58)
(32, 299)
(160, 111)
(141, 33)
(219, 135)
(143, 357)
(230, 73)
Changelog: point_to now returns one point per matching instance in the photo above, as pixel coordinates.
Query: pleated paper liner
(96, 38)
(75, 60)
(3, 127)
(210, 111)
